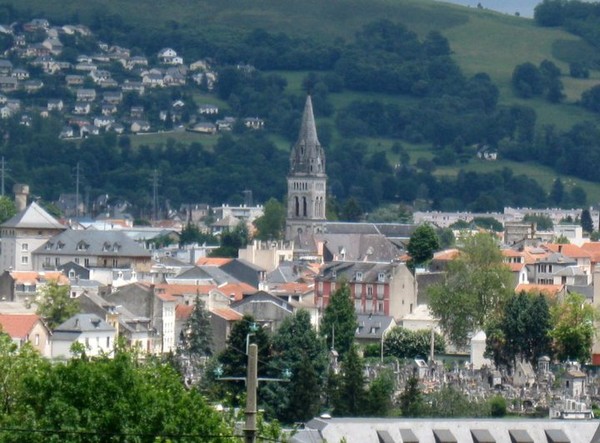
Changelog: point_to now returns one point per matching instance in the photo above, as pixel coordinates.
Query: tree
(379, 395)
(543, 222)
(7, 208)
(141, 400)
(446, 238)
(411, 399)
(339, 321)
(522, 332)
(296, 347)
(587, 223)
(271, 224)
(404, 343)
(557, 193)
(350, 397)
(527, 80)
(234, 360)
(422, 244)
(191, 234)
(351, 211)
(197, 336)
(573, 328)
(55, 305)
(477, 284)
(232, 241)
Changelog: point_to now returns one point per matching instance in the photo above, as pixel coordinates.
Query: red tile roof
(183, 312)
(593, 248)
(18, 325)
(237, 290)
(550, 290)
(212, 261)
(227, 314)
(568, 250)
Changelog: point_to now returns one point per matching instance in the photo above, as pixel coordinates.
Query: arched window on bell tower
(304, 207)
(297, 203)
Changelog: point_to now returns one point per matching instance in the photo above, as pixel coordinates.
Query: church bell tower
(307, 182)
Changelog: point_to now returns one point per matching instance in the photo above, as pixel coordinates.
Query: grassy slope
(482, 41)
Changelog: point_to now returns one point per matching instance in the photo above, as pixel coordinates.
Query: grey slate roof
(372, 326)
(438, 430)
(92, 242)
(79, 324)
(34, 216)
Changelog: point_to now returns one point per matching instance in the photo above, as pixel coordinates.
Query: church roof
(34, 216)
(307, 155)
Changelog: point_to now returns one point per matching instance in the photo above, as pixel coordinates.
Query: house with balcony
(375, 288)
(92, 249)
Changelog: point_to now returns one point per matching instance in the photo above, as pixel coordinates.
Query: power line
(127, 434)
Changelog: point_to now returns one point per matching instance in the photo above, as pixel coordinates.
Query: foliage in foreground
(100, 400)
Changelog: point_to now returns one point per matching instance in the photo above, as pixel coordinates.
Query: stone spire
(307, 155)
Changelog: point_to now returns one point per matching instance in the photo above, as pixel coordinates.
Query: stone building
(307, 183)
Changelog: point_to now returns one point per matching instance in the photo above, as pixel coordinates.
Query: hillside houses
(92, 88)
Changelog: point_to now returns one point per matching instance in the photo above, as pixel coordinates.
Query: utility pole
(251, 384)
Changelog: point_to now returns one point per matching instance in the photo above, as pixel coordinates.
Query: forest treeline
(456, 115)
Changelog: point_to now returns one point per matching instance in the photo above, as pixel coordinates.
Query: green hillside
(481, 41)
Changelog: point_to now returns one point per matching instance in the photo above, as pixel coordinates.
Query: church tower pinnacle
(307, 181)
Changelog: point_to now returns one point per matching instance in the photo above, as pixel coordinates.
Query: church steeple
(307, 182)
(307, 155)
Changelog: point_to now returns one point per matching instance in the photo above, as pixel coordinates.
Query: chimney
(21, 192)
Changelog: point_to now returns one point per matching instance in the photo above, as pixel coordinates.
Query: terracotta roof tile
(227, 314)
(183, 312)
(237, 290)
(18, 325)
(33, 277)
(212, 261)
(550, 290)
(568, 250)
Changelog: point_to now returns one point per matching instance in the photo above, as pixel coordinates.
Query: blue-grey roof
(80, 323)
(92, 242)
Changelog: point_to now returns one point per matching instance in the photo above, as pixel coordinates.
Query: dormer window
(116, 247)
(334, 274)
(60, 245)
(82, 246)
(49, 246)
(359, 276)
(106, 246)
(381, 277)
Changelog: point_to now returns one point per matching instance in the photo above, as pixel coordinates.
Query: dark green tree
(527, 80)
(349, 400)
(411, 399)
(232, 241)
(7, 208)
(191, 234)
(524, 328)
(423, 243)
(586, 221)
(233, 359)
(197, 335)
(296, 347)
(557, 193)
(379, 395)
(351, 210)
(271, 224)
(339, 321)
(446, 238)
(543, 222)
